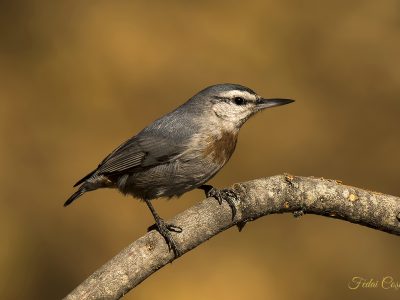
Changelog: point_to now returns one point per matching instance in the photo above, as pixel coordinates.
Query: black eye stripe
(239, 101)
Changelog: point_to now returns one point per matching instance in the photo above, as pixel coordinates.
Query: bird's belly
(167, 180)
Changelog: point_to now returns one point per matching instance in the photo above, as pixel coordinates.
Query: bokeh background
(79, 77)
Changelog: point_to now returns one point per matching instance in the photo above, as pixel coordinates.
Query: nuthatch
(180, 151)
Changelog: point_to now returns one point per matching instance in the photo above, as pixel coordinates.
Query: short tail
(75, 195)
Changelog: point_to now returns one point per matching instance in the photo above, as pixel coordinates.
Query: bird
(180, 152)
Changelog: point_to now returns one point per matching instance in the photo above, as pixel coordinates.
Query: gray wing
(139, 152)
(160, 142)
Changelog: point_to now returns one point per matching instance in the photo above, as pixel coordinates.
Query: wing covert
(139, 152)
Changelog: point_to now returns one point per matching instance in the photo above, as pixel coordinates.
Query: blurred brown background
(79, 77)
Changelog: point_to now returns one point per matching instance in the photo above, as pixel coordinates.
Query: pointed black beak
(267, 103)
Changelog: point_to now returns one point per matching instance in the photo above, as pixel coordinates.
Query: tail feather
(75, 195)
(84, 178)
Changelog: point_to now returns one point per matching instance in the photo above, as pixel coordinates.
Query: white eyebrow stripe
(237, 93)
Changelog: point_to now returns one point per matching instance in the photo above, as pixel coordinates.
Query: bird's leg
(164, 229)
(225, 194)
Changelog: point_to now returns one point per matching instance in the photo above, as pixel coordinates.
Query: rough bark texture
(261, 197)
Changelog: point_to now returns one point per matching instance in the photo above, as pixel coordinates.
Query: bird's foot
(224, 194)
(165, 230)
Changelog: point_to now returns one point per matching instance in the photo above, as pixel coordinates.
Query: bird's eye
(239, 100)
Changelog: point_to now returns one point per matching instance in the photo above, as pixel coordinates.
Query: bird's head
(235, 103)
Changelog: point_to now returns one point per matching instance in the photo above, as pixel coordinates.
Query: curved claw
(225, 194)
(172, 227)
(165, 230)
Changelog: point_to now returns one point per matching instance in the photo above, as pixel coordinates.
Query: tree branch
(261, 197)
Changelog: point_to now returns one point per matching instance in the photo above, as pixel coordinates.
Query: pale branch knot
(261, 197)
